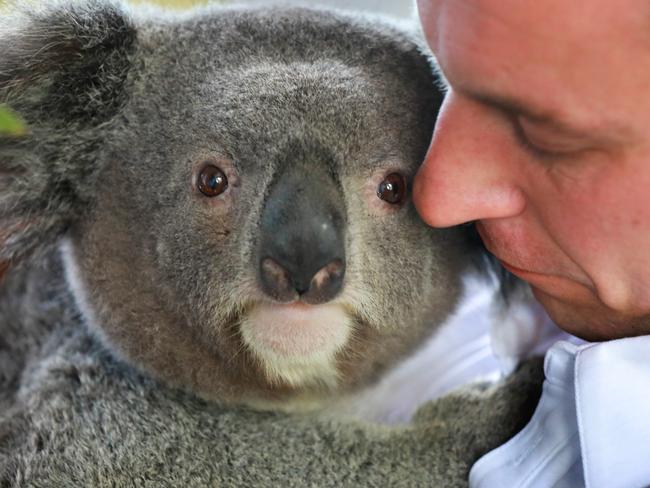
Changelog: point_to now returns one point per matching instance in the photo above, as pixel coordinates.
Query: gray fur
(119, 127)
(122, 109)
(83, 419)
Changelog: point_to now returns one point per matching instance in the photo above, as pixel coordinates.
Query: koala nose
(301, 250)
(311, 286)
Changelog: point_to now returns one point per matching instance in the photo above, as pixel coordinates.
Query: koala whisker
(241, 347)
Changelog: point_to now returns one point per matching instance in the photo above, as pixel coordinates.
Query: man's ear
(64, 68)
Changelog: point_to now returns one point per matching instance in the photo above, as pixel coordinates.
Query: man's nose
(467, 175)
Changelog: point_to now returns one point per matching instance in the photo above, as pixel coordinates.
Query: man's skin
(544, 141)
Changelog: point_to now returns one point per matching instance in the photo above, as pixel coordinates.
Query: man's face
(544, 139)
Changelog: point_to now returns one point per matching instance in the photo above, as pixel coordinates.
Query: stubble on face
(593, 321)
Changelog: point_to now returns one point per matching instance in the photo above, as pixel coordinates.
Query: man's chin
(592, 321)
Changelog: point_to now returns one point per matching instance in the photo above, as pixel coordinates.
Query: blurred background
(398, 8)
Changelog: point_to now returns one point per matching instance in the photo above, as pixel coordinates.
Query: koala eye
(212, 182)
(392, 189)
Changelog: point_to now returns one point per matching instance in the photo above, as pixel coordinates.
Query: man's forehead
(547, 17)
(547, 56)
(484, 50)
(542, 31)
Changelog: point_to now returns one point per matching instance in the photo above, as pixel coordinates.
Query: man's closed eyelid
(547, 152)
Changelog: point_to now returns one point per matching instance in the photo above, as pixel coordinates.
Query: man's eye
(533, 149)
(560, 148)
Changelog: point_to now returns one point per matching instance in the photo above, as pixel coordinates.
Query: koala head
(231, 190)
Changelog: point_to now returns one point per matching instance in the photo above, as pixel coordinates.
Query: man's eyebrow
(609, 132)
(505, 104)
(515, 107)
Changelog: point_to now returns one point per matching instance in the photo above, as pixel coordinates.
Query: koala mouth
(297, 343)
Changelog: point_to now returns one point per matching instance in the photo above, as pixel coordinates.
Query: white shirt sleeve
(591, 427)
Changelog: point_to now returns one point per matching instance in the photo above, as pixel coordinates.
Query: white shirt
(591, 427)
(473, 345)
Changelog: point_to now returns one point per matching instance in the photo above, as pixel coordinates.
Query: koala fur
(136, 291)
(75, 416)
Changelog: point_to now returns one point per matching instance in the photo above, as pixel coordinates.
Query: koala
(211, 212)
(232, 192)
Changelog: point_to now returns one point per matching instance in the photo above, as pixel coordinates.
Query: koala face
(243, 226)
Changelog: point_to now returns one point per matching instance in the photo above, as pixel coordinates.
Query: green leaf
(10, 123)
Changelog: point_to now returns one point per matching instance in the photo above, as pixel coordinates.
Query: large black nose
(301, 253)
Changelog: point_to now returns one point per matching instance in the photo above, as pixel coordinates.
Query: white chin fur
(297, 344)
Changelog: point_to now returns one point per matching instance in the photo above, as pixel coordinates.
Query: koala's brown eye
(212, 181)
(392, 189)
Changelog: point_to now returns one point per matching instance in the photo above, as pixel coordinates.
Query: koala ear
(63, 69)
(70, 58)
